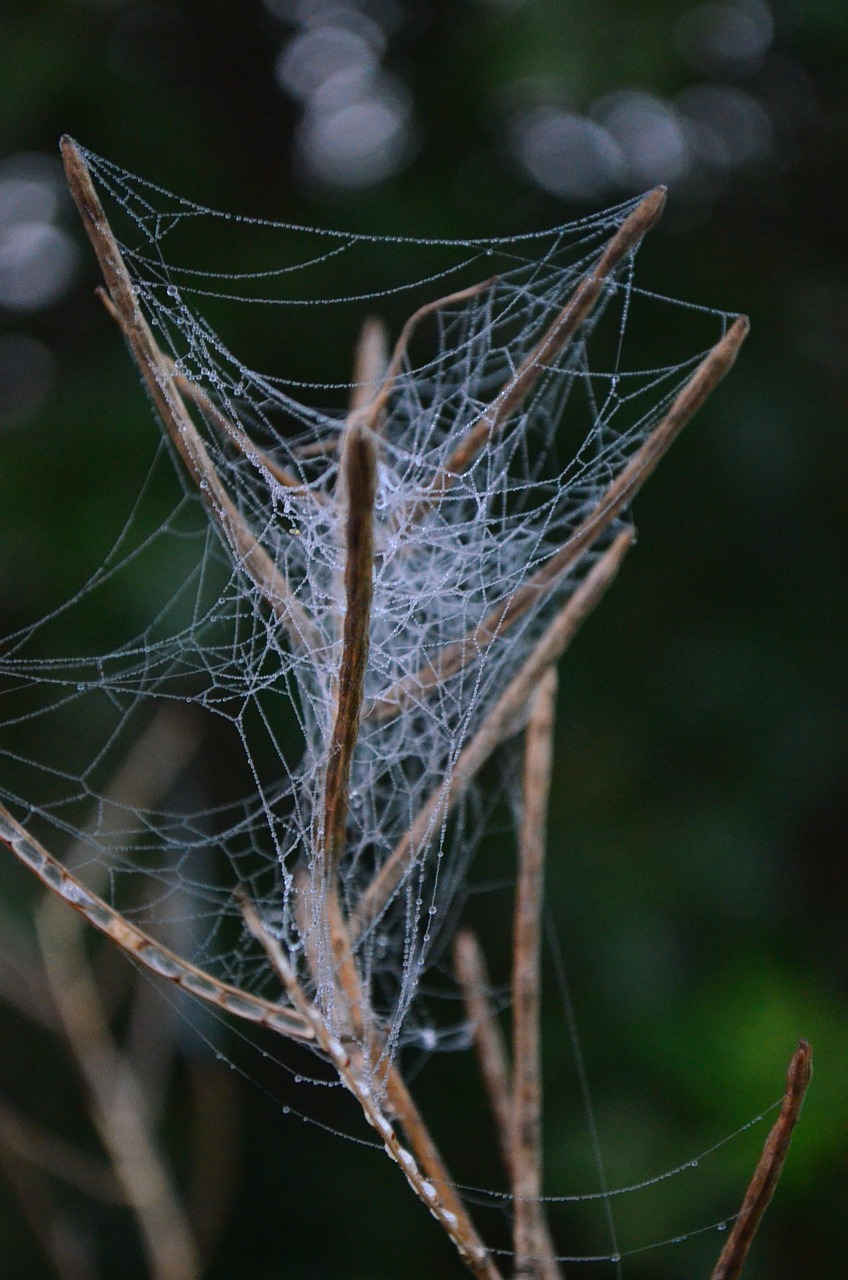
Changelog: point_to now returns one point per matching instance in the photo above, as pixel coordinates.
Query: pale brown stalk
(358, 487)
(138, 945)
(498, 724)
(473, 979)
(620, 492)
(370, 361)
(530, 1232)
(375, 406)
(117, 1101)
(247, 551)
(435, 1192)
(189, 390)
(767, 1173)
(358, 480)
(554, 340)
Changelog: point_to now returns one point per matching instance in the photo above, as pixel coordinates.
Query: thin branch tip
(764, 1182)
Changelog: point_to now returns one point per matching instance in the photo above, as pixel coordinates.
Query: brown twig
(473, 979)
(551, 344)
(375, 407)
(762, 1186)
(247, 551)
(117, 1102)
(435, 1192)
(370, 361)
(454, 656)
(189, 390)
(498, 724)
(357, 482)
(530, 1232)
(155, 957)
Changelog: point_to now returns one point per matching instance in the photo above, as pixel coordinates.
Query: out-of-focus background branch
(697, 862)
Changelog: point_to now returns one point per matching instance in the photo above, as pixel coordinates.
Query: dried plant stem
(117, 1101)
(370, 363)
(242, 441)
(530, 1233)
(555, 339)
(358, 484)
(358, 478)
(247, 551)
(191, 391)
(441, 1200)
(454, 656)
(376, 405)
(142, 948)
(473, 979)
(498, 724)
(762, 1185)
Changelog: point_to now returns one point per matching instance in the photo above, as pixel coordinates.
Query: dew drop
(173, 291)
(615, 1257)
(722, 1226)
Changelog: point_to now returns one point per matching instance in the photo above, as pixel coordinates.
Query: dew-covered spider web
(249, 312)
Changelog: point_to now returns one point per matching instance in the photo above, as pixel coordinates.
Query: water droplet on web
(81, 688)
(693, 1164)
(172, 291)
(298, 1079)
(431, 911)
(721, 1226)
(615, 1257)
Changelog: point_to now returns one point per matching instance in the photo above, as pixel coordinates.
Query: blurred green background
(697, 853)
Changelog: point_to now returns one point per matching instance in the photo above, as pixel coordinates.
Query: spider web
(216, 658)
